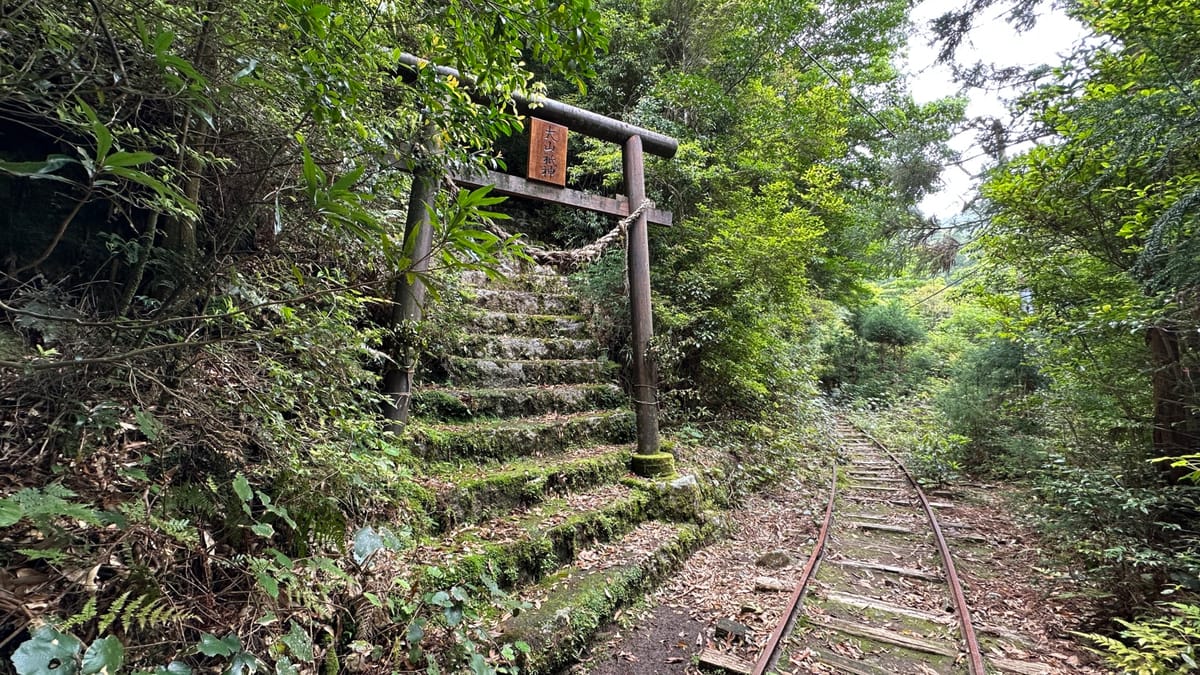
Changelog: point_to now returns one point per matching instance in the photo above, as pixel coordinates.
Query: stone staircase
(526, 440)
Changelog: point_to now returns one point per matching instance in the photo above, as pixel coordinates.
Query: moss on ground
(507, 487)
(469, 404)
(504, 439)
(512, 372)
(543, 549)
(535, 325)
(527, 302)
(12, 347)
(580, 603)
(481, 345)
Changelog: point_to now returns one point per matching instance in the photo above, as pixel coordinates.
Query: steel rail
(974, 655)
(770, 653)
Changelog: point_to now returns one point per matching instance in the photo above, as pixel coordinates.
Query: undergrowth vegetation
(204, 246)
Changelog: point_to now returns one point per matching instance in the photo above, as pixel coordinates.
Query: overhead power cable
(947, 287)
(866, 109)
(846, 89)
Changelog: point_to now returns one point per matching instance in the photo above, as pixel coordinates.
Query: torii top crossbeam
(583, 121)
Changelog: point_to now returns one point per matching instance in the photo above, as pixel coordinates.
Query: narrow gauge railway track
(883, 594)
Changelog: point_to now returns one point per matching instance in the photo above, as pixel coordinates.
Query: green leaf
(246, 70)
(40, 169)
(175, 668)
(479, 665)
(454, 615)
(211, 645)
(283, 560)
(184, 67)
(241, 487)
(366, 542)
(314, 178)
(48, 652)
(348, 179)
(148, 424)
(277, 510)
(243, 663)
(263, 529)
(416, 631)
(162, 42)
(10, 512)
(160, 188)
(298, 641)
(105, 656)
(104, 141)
(269, 584)
(284, 666)
(129, 158)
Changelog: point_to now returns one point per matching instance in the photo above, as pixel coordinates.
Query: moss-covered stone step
(523, 302)
(506, 439)
(571, 605)
(538, 279)
(537, 325)
(463, 371)
(466, 404)
(469, 495)
(527, 347)
(527, 544)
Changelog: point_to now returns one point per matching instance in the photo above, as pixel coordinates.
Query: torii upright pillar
(645, 376)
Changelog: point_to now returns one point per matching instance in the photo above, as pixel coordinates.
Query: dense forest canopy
(204, 228)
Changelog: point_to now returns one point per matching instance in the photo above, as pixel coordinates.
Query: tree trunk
(408, 301)
(1176, 430)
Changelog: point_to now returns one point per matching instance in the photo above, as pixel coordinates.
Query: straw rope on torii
(571, 258)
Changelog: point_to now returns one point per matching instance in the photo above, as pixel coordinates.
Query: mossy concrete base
(654, 465)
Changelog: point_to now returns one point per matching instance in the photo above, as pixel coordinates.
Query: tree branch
(62, 229)
(51, 365)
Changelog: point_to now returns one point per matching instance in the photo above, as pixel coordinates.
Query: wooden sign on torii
(546, 182)
(547, 152)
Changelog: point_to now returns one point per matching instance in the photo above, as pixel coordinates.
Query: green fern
(1156, 646)
(113, 610)
(147, 612)
(321, 523)
(191, 500)
(83, 616)
(50, 503)
(142, 612)
(179, 529)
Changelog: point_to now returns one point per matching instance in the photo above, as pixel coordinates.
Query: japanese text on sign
(547, 152)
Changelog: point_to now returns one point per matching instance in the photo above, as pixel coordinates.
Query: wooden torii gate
(634, 141)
